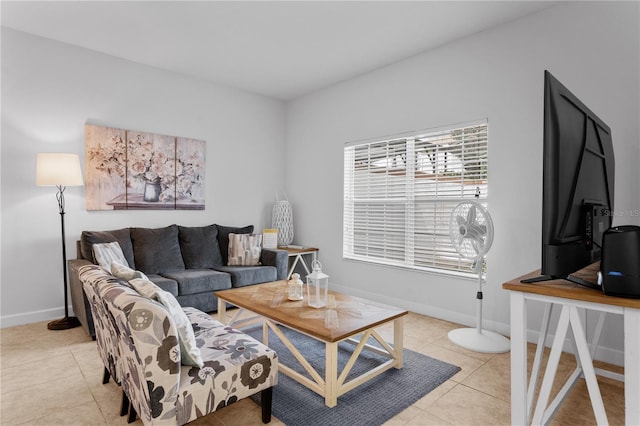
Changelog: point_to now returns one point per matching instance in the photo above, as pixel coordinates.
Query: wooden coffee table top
(354, 315)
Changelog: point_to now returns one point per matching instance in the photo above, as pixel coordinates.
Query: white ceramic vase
(282, 219)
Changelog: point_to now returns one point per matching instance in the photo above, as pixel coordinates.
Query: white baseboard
(605, 354)
(31, 317)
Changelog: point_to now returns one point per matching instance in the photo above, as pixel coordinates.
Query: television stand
(584, 277)
(582, 281)
(538, 279)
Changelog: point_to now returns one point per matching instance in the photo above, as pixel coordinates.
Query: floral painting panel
(105, 164)
(137, 170)
(190, 172)
(151, 171)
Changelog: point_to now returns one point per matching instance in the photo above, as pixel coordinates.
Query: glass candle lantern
(317, 286)
(295, 287)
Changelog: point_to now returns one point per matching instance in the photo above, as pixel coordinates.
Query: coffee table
(346, 318)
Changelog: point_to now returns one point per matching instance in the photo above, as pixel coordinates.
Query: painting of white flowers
(127, 169)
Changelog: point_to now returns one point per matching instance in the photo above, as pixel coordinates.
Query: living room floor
(55, 377)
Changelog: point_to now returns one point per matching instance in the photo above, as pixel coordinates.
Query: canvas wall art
(127, 169)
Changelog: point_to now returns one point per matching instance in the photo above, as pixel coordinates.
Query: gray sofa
(187, 261)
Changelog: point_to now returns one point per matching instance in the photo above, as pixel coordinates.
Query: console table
(570, 297)
(298, 256)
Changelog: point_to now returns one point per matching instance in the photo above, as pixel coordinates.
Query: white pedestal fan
(471, 233)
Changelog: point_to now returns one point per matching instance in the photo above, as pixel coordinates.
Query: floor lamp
(60, 170)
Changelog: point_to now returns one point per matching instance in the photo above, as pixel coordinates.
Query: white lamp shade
(58, 169)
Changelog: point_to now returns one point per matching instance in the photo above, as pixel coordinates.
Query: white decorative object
(282, 219)
(295, 287)
(317, 286)
(471, 234)
(270, 238)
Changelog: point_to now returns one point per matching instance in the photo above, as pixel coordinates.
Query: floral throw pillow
(244, 249)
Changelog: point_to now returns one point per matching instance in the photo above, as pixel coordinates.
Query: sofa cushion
(244, 249)
(189, 352)
(199, 246)
(200, 321)
(191, 281)
(167, 284)
(157, 250)
(122, 236)
(247, 275)
(223, 238)
(107, 253)
(205, 302)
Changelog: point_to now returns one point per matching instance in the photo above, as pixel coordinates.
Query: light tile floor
(55, 378)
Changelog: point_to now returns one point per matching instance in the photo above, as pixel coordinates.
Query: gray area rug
(372, 403)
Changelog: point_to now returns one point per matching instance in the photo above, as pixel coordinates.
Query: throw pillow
(244, 249)
(189, 352)
(124, 272)
(223, 238)
(199, 246)
(122, 236)
(106, 253)
(157, 250)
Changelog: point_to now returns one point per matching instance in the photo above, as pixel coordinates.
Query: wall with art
(50, 90)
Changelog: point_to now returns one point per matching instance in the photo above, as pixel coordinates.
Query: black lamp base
(64, 323)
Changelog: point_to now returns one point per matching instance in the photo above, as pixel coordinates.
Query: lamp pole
(66, 322)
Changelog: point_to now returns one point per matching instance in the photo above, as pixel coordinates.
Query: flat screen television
(578, 183)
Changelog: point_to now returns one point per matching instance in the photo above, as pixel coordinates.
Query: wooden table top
(354, 314)
(569, 290)
(293, 251)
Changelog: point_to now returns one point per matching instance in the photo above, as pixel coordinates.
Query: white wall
(50, 90)
(593, 48)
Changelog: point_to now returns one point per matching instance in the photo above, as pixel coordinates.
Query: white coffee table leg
(398, 340)
(331, 375)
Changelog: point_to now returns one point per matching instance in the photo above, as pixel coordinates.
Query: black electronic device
(578, 182)
(620, 263)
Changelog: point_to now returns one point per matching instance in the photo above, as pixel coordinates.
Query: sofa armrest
(79, 302)
(277, 258)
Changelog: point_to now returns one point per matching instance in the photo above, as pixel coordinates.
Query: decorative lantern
(317, 286)
(294, 289)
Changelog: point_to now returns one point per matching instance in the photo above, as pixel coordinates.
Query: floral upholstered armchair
(145, 346)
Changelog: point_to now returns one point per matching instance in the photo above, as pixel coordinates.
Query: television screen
(578, 180)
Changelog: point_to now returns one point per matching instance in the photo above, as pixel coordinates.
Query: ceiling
(281, 49)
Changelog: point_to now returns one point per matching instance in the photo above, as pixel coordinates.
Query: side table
(571, 298)
(298, 256)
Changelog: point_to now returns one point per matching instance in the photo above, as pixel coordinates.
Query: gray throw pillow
(157, 250)
(199, 246)
(223, 238)
(122, 236)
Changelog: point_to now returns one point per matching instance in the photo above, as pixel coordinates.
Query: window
(399, 193)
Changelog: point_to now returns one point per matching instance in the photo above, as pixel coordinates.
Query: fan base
(480, 340)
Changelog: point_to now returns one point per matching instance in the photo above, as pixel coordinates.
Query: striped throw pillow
(105, 253)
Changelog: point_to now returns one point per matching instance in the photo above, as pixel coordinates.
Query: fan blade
(476, 231)
(460, 220)
(474, 244)
(471, 215)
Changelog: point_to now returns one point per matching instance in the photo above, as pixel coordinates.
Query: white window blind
(399, 193)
